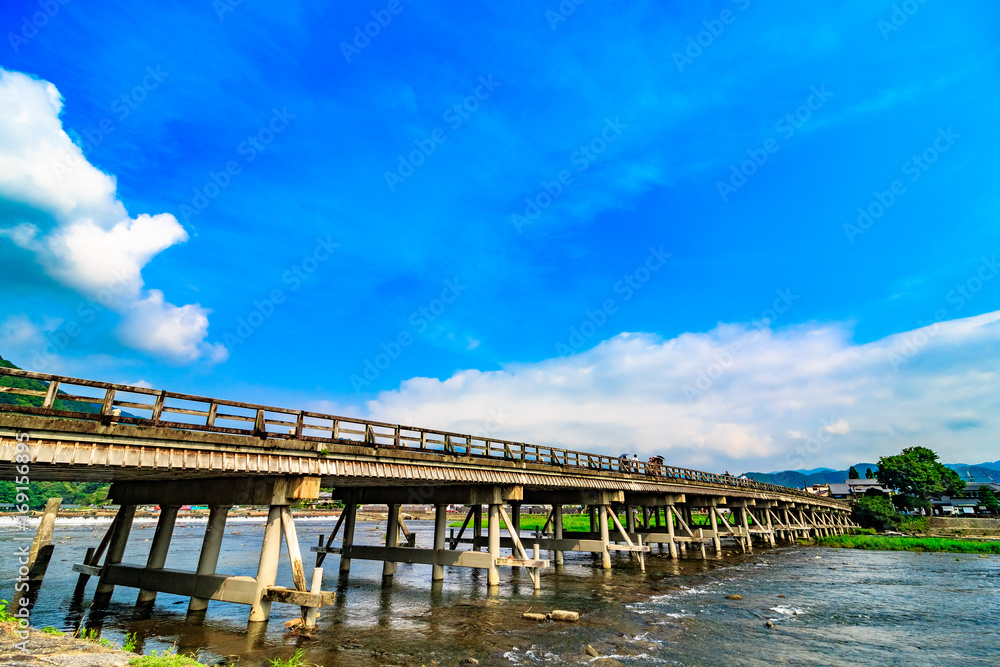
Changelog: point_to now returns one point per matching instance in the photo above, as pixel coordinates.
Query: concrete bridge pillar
(716, 541)
(391, 541)
(557, 528)
(267, 566)
(477, 527)
(668, 510)
(158, 550)
(440, 525)
(493, 528)
(210, 548)
(116, 549)
(602, 518)
(350, 519)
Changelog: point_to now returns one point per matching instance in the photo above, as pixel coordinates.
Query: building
(965, 502)
(853, 488)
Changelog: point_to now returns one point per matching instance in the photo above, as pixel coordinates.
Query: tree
(989, 499)
(869, 474)
(875, 511)
(853, 473)
(916, 472)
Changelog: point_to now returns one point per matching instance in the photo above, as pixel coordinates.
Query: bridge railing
(66, 397)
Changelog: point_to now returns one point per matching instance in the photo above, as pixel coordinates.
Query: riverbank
(905, 543)
(45, 650)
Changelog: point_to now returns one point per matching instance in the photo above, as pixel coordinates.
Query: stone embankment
(947, 526)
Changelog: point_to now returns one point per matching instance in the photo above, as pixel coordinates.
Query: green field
(892, 543)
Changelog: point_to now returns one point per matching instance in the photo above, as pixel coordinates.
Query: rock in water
(561, 615)
(769, 624)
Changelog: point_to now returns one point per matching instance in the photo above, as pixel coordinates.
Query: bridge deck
(135, 433)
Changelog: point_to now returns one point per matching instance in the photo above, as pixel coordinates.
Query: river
(827, 607)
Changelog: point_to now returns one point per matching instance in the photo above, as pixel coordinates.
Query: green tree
(916, 472)
(869, 474)
(989, 499)
(875, 511)
(853, 473)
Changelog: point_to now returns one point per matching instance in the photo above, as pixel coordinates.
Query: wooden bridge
(170, 449)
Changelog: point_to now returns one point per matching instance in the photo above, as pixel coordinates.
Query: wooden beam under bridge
(278, 493)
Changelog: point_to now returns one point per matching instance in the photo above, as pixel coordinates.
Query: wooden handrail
(373, 433)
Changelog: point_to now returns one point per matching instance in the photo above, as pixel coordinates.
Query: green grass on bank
(894, 543)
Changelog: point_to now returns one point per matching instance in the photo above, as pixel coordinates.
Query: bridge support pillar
(715, 527)
(746, 528)
(158, 551)
(493, 528)
(267, 565)
(120, 530)
(391, 540)
(669, 512)
(210, 548)
(477, 527)
(350, 519)
(602, 519)
(557, 528)
(440, 523)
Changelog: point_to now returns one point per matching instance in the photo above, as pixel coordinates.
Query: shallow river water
(828, 607)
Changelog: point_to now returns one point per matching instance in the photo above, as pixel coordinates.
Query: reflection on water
(827, 607)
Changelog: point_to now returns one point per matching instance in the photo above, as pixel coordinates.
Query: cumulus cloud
(739, 396)
(66, 213)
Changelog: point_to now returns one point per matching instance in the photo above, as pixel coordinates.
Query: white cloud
(736, 397)
(67, 214)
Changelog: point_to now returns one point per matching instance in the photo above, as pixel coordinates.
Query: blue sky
(516, 173)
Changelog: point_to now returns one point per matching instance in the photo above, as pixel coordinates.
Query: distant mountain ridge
(980, 472)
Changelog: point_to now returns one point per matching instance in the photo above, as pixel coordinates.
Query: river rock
(562, 615)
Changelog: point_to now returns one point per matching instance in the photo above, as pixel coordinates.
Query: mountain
(36, 385)
(982, 472)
